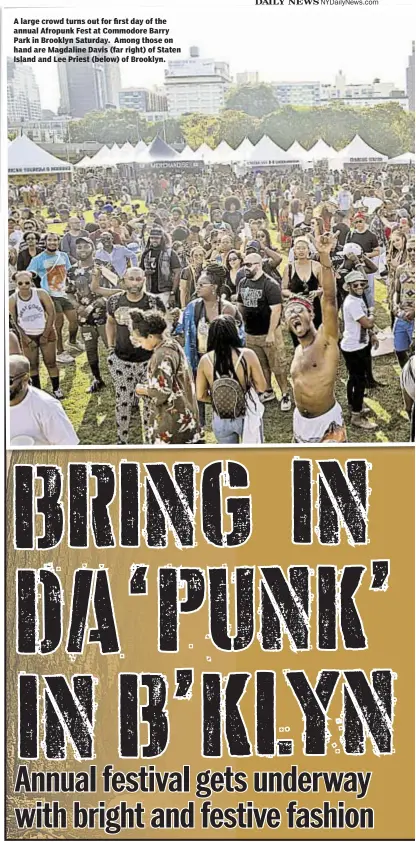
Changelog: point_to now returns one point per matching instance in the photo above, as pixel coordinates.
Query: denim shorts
(403, 334)
(227, 430)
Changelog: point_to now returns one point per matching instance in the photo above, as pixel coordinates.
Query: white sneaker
(268, 395)
(76, 346)
(65, 358)
(285, 404)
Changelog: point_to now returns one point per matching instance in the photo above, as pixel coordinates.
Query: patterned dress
(170, 386)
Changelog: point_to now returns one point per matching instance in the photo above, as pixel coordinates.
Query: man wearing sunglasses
(356, 346)
(36, 418)
(318, 416)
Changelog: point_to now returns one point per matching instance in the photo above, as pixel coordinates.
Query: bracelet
(325, 265)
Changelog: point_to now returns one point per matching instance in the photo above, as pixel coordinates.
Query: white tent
(127, 154)
(359, 152)
(84, 163)
(205, 153)
(298, 152)
(25, 156)
(267, 153)
(139, 149)
(223, 153)
(188, 154)
(321, 151)
(100, 156)
(243, 151)
(407, 158)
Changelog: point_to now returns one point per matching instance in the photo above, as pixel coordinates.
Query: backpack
(228, 396)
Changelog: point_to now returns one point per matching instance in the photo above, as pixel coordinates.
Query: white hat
(352, 248)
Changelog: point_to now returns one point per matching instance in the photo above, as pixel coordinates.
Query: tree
(256, 100)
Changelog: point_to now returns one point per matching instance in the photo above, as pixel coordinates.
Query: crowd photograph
(211, 297)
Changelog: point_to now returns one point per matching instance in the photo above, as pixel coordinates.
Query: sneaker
(96, 385)
(285, 403)
(76, 346)
(364, 411)
(357, 420)
(65, 358)
(58, 394)
(268, 395)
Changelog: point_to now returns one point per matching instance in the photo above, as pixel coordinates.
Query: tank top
(297, 285)
(30, 314)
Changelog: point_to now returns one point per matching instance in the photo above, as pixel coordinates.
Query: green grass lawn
(93, 416)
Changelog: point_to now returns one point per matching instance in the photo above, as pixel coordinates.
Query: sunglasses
(16, 377)
(359, 284)
(24, 283)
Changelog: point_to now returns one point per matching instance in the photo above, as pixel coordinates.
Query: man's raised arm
(325, 244)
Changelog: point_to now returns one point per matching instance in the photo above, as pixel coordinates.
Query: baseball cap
(84, 239)
(253, 244)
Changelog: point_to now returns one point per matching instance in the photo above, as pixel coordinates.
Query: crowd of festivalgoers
(192, 282)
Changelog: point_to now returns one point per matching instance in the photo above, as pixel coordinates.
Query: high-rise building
(143, 100)
(87, 87)
(196, 85)
(297, 93)
(23, 99)
(410, 79)
(249, 77)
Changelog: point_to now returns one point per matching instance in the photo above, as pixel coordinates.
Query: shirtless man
(318, 416)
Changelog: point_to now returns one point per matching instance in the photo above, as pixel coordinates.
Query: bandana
(297, 300)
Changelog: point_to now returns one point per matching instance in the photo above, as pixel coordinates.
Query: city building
(249, 77)
(297, 93)
(410, 79)
(87, 87)
(50, 130)
(23, 99)
(142, 99)
(196, 85)
(361, 94)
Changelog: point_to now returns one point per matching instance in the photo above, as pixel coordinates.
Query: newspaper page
(209, 583)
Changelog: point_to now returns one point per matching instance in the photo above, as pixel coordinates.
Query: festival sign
(210, 646)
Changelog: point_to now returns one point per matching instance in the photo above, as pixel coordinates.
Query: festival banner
(210, 644)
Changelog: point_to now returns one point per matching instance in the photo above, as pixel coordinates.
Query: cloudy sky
(281, 42)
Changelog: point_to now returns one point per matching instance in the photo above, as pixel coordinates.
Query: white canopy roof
(267, 152)
(188, 154)
(298, 152)
(100, 156)
(25, 156)
(84, 163)
(223, 153)
(320, 151)
(406, 158)
(127, 154)
(205, 153)
(139, 149)
(359, 151)
(243, 151)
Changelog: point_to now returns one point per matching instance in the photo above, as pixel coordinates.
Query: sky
(281, 43)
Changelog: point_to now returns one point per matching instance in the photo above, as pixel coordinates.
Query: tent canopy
(188, 154)
(359, 151)
(25, 156)
(205, 153)
(320, 151)
(243, 151)
(297, 151)
(127, 154)
(223, 153)
(84, 163)
(100, 156)
(158, 151)
(266, 152)
(406, 158)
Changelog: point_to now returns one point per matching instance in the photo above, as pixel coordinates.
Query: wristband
(325, 265)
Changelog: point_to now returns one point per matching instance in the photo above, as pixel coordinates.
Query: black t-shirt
(93, 307)
(119, 306)
(367, 240)
(152, 267)
(257, 297)
(254, 213)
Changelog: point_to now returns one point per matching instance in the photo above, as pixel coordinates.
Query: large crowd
(210, 289)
